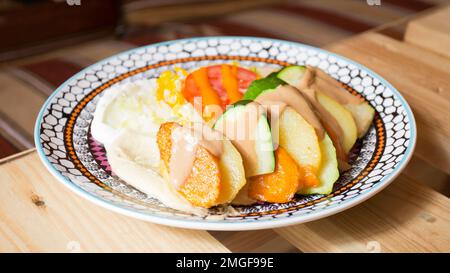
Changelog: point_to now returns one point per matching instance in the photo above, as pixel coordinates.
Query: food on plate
(361, 111)
(301, 133)
(218, 84)
(135, 159)
(246, 125)
(280, 185)
(331, 126)
(194, 171)
(295, 76)
(205, 168)
(226, 134)
(265, 84)
(140, 107)
(344, 119)
(345, 116)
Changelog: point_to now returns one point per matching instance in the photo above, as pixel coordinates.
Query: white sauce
(131, 158)
(126, 121)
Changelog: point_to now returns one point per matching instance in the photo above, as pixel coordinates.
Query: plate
(66, 147)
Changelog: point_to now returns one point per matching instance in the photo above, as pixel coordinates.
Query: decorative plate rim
(222, 225)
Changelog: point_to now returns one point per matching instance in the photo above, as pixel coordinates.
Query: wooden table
(39, 214)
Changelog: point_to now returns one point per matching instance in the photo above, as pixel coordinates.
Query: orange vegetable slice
(243, 77)
(309, 178)
(279, 186)
(209, 95)
(230, 83)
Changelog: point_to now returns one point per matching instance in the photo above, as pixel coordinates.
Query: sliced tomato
(190, 90)
(245, 77)
(215, 78)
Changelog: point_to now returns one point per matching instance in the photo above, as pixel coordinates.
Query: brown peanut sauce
(285, 95)
(185, 140)
(242, 132)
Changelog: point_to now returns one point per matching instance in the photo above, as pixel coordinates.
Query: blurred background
(44, 42)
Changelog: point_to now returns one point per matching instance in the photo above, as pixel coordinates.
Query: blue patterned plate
(65, 145)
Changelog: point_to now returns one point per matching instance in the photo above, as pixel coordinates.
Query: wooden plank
(16, 156)
(152, 16)
(19, 106)
(405, 217)
(49, 49)
(412, 5)
(421, 76)
(359, 10)
(431, 32)
(39, 214)
(256, 241)
(290, 26)
(428, 175)
(396, 29)
(81, 53)
(23, 27)
(6, 148)
(436, 2)
(92, 52)
(52, 72)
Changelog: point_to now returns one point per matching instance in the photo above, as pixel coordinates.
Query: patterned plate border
(219, 224)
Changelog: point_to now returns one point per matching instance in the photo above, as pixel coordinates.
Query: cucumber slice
(265, 158)
(242, 102)
(262, 85)
(328, 172)
(264, 147)
(292, 74)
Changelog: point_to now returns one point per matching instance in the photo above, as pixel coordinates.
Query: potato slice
(343, 117)
(301, 142)
(164, 141)
(363, 114)
(328, 173)
(360, 109)
(202, 187)
(213, 180)
(299, 138)
(233, 175)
